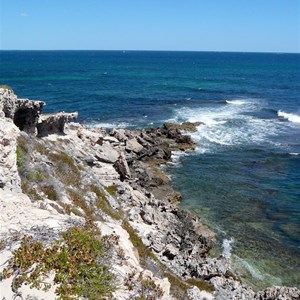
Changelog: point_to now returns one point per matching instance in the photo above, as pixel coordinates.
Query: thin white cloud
(24, 14)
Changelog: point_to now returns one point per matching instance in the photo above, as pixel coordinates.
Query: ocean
(243, 180)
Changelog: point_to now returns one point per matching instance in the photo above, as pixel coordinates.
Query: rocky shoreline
(55, 174)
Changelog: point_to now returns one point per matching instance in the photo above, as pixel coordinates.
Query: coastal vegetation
(79, 260)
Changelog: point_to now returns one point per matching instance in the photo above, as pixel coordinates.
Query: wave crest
(289, 116)
(236, 102)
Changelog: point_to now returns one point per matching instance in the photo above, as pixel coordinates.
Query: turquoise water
(244, 177)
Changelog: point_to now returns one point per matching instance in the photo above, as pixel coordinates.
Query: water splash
(227, 247)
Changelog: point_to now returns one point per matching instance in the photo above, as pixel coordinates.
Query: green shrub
(38, 176)
(148, 289)
(112, 189)
(20, 157)
(77, 259)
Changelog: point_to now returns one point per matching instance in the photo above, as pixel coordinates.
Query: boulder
(119, 134)
(133, 145)
(184, 139)
(106, 153)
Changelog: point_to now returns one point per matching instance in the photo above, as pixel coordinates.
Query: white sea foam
(227, 247)
(109, 125)
(229, 125)
(289, 116)
(175, 158)
(294, 153)
(236, 102)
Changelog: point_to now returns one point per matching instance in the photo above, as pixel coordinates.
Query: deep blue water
(244, 177)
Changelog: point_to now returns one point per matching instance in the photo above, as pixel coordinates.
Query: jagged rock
(119, 134)
(111, 139)
(174, 197)
(184, 139)
(227, 288)
(26, 116)
(92, 136)
(278, 293)
(213, 267)
(149, 176)
(186, 126)
(133, 145)
(173, 133)
(106, 153)
(170, 251)
(122, 168)
(23, 112)
(143, 142)
(54, 123)
(147, 217)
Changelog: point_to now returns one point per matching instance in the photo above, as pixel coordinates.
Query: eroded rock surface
(24, 112)
(54, 123)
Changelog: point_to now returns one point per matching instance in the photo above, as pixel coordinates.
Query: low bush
(79, 261)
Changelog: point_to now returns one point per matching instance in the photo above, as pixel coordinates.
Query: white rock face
(8, 102)
(9, 177)
(195, 294)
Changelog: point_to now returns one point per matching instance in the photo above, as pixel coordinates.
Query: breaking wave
(236, 102)
(289, 116)
(229, 125)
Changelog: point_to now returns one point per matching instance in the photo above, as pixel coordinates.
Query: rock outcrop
(24, 112)
(54, 123)
(278, 293)
(26, 115)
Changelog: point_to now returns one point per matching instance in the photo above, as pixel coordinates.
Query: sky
(179, 25)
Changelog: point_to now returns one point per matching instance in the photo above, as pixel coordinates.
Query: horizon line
(132, 50)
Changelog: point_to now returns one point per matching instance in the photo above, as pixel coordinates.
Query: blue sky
(197, 25)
